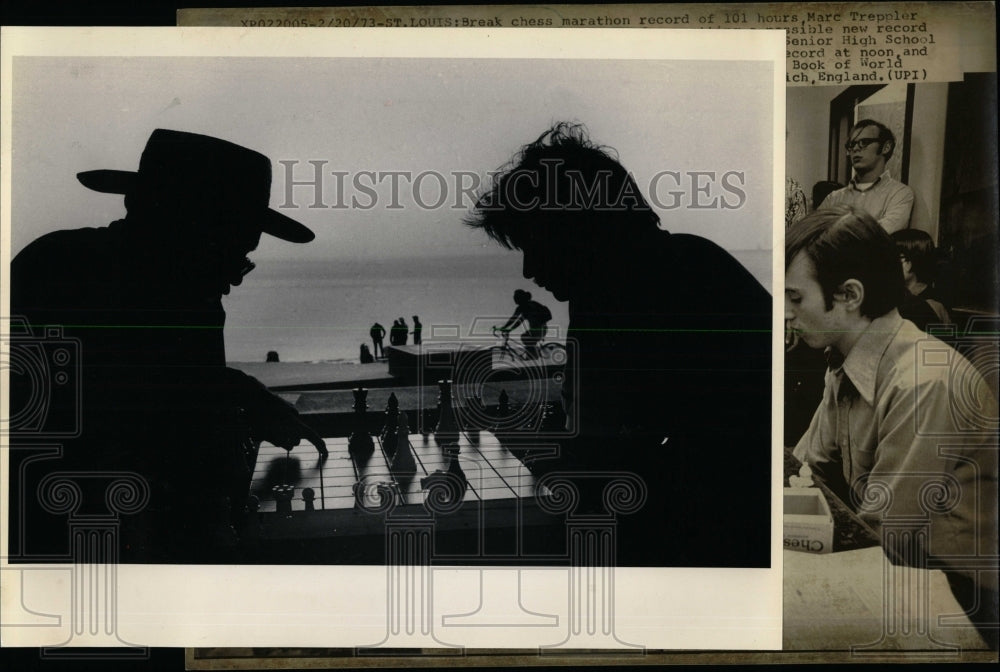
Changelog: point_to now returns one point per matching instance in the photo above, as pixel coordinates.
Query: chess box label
(808, 525)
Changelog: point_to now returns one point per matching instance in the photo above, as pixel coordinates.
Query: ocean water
(321, 310)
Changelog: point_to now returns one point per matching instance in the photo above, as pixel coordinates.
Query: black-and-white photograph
(390, 307)
(891, 369)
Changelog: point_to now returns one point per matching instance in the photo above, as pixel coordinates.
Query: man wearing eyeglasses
(142, 298)
(873, 190)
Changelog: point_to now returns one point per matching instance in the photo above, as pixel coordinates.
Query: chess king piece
(360, 444)
(446, 431)
(402, 463)
(388, 434)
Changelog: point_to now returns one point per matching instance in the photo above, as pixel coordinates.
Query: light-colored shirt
(887, 200)
(911, 427)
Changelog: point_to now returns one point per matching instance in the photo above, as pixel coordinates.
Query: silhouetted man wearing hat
(143, 296)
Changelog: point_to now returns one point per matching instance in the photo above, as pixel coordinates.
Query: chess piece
(455, 469)
(402, 463)
(388, 434)
(446, 431)
(503, 404)
(804, 479)
(450, 485)
(360, 444)
(309, 497)
(501, 414)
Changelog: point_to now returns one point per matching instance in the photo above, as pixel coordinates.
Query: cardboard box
(808, 525)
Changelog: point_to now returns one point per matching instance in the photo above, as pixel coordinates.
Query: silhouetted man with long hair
(669, 338)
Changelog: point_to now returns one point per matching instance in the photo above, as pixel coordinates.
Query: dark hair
(885, 135)
(821, 190)
(918, 248)
(560, 177)
(845, 243)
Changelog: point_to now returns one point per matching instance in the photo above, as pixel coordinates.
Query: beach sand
(317, 375)
(326, 387)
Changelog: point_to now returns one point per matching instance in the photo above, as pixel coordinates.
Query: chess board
(491, 470)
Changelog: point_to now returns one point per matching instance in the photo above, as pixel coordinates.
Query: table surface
(854, 599)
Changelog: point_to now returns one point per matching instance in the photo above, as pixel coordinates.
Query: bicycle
(554, 352)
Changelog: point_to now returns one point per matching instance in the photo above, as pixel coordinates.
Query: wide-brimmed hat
(200, 171)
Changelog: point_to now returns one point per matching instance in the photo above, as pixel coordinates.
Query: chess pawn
(451, 483)
(804, 479)
(309, 497)
(503, 404)
(446, 431)
(360, 444)
(388, 435)
(501, 413)
(806, 472)
(402, 463)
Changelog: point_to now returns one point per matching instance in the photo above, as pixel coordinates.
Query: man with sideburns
(906, 431)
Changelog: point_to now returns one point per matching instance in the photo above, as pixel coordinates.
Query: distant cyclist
(535, 314)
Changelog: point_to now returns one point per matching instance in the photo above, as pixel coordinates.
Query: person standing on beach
(377, 332)
(669, 344)
(156, 401)
(417, 331)
(398, 332)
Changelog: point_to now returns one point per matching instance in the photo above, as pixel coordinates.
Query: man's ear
(887, 147)
(852, 294)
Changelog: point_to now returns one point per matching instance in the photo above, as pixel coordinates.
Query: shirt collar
(861, 363)
(854, 181)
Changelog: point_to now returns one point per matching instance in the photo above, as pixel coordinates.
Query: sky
(438, 116)
(73, 113)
